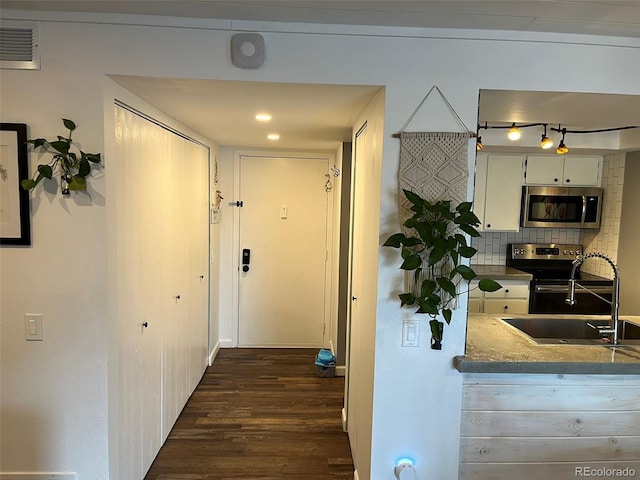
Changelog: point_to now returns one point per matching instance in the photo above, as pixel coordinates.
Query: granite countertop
(500, 272)
(495, 347)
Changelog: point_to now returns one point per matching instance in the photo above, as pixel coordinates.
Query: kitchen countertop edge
(495, 347)
(499, 272)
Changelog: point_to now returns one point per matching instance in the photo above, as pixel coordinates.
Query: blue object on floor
(325, 358)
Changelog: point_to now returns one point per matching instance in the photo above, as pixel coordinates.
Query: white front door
(283, 229)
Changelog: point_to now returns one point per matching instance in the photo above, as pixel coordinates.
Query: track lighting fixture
(514, 132)
(562, 148)
(545, 143)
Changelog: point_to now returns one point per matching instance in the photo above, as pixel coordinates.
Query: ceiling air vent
(19, 46)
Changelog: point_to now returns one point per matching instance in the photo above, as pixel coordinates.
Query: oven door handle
(565, 289)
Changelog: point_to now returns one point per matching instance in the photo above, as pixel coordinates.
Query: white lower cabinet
(512, 298)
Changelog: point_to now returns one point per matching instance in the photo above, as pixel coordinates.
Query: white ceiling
(320, 116)
(573, 110)
(600, 17)
(305, 116)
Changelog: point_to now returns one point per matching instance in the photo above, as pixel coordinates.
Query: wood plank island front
(546, 411)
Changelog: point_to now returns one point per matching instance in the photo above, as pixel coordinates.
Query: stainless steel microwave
(561, 207)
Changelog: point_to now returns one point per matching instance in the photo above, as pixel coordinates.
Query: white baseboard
(227, 343)
(341, 371)
(38, 476)
(212, 355)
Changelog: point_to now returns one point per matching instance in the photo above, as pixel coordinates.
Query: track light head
(514, 132)
(562, 148)
(545, 143)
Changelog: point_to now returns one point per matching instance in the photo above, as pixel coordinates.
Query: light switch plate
(216, 215)
(33, 326)
(410, 333)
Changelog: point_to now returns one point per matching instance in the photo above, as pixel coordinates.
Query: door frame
(330, 330)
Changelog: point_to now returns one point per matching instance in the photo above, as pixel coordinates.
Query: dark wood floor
(259, 414)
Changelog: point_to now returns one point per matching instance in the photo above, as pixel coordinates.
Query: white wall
(59, 387)
(628, 256)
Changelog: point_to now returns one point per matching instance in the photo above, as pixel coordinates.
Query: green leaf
(45, 170)
(407, 299)
(428, 287)
(412, 262)
(488, 285)
(464, 207)
(446, 313)
(467, 218)
(454, 257)
(412, 241)
(416, 274)
(469, 230)
(447, 285)
(424, 232)
(28, 184)
(78, 183)
(38, 142)
(467, 252)
(461, 239)
(69, 124)
(395, 240)
(428, 307)
(92, 157)
(414, 198)
(61, 146)
(465, 272)
(441, 227)
(434, 326)
(438, 252)
(84, 168)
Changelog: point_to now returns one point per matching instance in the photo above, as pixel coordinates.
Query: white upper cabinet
(498, 192)
(570, 170)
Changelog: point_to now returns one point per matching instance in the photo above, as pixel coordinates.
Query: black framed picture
(15, 225)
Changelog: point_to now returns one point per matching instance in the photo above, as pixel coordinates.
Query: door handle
(246, 259)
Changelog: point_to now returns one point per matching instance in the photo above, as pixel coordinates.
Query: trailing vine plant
(73, 167)
(433, 245)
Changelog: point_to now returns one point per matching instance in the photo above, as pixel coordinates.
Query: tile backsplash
(492, 246)
(605, 240)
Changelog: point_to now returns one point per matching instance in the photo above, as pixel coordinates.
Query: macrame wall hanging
(433, 164)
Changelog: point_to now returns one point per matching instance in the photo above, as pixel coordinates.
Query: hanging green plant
(73, 167)
(432, 248)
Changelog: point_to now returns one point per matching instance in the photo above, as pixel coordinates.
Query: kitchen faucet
(614, 325)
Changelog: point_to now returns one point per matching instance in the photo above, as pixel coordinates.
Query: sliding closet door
(161, 278)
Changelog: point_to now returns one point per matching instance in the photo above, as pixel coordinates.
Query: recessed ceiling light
(263, 117)
(273, 136)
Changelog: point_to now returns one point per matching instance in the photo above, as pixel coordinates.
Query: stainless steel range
(550, 265)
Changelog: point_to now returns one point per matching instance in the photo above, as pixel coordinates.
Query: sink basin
(571, 331)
